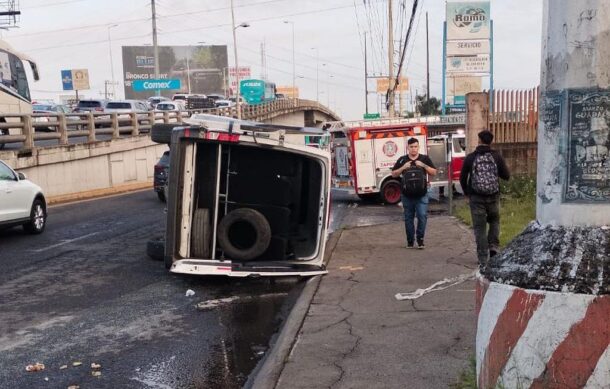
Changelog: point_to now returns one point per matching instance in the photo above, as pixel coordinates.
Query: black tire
(162, 133)
(161, 196)
(244, 234)
(390, 192)
(200, 234)
(38, 218)
(155, 248)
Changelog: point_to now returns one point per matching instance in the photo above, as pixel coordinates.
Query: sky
(328, 36)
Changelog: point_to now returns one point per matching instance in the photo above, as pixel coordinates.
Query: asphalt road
(85, 291)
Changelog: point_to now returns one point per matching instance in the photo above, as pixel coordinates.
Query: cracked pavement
(357, 335)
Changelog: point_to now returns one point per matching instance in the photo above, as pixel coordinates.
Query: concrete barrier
(89, 170)
(541, 339)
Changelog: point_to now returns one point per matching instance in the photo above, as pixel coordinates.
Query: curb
(97, 193)
(270, 368)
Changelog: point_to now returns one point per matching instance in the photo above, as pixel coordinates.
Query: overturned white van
(245, 199)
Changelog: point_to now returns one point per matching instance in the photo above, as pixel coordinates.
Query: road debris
(437, 286)
(190, 293)
(95, 365)
(73, 387)
(96, 373)
(76, 363)
(35, 367)
(63, 367)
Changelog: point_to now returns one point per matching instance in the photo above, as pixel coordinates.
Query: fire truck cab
(364, 153)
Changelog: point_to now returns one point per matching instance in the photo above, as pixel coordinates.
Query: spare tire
(162, 133)
(244, 234)
(200, 234)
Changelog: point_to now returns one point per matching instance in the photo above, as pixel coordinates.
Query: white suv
(21, 201)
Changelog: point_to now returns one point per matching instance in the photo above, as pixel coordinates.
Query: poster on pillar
(588, 176)
(459, 86)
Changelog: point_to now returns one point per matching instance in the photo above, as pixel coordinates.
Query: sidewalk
(356, 334)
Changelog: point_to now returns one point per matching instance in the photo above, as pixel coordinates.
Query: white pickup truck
(244, 198)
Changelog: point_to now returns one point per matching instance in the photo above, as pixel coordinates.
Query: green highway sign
(372, 116)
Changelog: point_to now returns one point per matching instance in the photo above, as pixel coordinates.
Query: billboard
(75, 79)
(383, 84)
(244, 74)
(199, 69)
(468, 20)
(288, 91)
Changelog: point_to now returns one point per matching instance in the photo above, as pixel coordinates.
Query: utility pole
(155, 47)
(366, 79)
(427, 61)
(399, 87)
(390, 101)
(552, 280)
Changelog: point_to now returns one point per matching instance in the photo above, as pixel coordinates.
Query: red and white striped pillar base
(538, 339)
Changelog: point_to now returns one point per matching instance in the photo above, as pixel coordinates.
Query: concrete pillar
(544, 302)
(477, 117)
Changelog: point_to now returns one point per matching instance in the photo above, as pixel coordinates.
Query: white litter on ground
(437, 286)
(190, 293)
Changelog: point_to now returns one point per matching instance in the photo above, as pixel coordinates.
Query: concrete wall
(87, 170)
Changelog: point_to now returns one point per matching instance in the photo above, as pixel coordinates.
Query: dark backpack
(484, 177)
(414, 182)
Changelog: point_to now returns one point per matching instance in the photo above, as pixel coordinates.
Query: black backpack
(413, 181)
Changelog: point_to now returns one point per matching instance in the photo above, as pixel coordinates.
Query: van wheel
(244, 234)
(162, 133)
(390, 192)
(155, 248)
(200, 234)
(38, 218)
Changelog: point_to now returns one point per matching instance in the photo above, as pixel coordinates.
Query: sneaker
(420, 244)
(410, 245)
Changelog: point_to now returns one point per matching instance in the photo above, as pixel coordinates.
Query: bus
(257, 91)
(14, 88)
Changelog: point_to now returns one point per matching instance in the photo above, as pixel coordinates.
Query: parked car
(21, 201)
(124, 107)
(53, 109)
(224, 103)
(92, 105)
(154, 100)
(161, 173)
(170, 106)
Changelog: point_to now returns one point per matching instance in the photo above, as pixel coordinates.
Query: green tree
(427, 107)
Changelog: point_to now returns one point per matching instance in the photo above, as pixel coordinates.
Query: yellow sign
(288, 91)
(383, 84)
(80, 79)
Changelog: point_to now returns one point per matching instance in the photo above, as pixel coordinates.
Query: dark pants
(415, 207)
(485, 210)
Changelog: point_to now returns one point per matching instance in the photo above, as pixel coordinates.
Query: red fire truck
(364, 153)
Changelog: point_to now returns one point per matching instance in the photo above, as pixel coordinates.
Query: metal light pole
(111, 62)
(155, 46)
(188, 69)
(293, 60)
(237, 102)
(317, 73)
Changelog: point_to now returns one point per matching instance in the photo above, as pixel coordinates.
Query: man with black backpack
(413, 170)
(480, 181)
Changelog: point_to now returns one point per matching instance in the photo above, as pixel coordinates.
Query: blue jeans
(417, 206)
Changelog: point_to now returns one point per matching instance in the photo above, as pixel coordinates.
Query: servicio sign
(145, 85)
(468, 47)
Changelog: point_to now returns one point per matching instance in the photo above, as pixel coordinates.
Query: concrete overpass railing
(25, 128)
